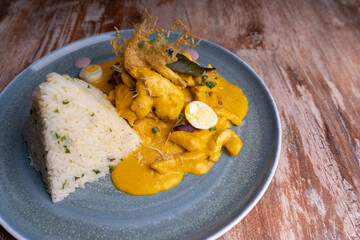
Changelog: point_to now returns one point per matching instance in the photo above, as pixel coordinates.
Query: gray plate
(199, 207)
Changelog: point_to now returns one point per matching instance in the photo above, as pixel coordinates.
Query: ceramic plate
(199, 207)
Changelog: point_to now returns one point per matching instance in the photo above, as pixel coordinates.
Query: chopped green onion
(67, 77)
(121, 159)
(92, 114)
(112, 68)
(63, 138)
(76, 178)
(181, 116)
(64, 183)
(96, 171)
(65, 102)
(57, 110)
(89, 86)
(185, 80)
(212, 129)
(82, 175)
(202, 82)
(111, 167)
(220, 102)
(204, 77)
(155, 130)
(66, 149)
(207, 94)
(211, 84)
(56, 135)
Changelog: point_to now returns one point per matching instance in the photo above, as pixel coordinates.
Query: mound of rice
(74, 135)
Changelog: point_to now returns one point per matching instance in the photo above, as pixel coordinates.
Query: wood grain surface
(307, 53)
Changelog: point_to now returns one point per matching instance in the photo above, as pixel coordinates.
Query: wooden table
(307, 53)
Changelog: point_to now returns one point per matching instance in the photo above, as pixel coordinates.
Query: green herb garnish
(76, 178)
(92, 114)
(185, 80)
(64, 183)
(57, 110)
(67, 77)
(220, 102)
(111, 167)
(181, 116)
(63, 138)
(204, 77)
(185, 65)
(155, 130)
(65, 102)
(96, 171)
(207, 94)
(211, 84)
(212, 129)
(89, 86)
(163, 40)
(56, 135)
(66, 149)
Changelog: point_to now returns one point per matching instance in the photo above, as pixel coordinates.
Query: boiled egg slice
(200, 115)
(91, 73)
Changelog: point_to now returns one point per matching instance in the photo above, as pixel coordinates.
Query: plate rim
(275, 163)
(278, 130)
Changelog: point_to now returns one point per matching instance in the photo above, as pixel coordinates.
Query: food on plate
(91, 73)
(177, 117)
(181, 110)
(200, 115)
(74, 134)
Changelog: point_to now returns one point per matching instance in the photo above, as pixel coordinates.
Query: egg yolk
(200, 115)
(90, 68)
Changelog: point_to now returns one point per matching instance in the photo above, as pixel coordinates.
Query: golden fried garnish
(140, 51)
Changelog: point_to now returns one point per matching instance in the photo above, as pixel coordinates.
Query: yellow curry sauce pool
(165, 155)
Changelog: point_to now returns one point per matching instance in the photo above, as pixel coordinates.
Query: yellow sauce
(162, 160)
(134, 174)
(164, 157)
(106, 82)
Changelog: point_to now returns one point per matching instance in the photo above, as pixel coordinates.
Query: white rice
(74, 135)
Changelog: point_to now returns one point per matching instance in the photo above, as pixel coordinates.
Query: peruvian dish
(147, 117)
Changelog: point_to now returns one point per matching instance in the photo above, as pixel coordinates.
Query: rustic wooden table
(307, 53)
